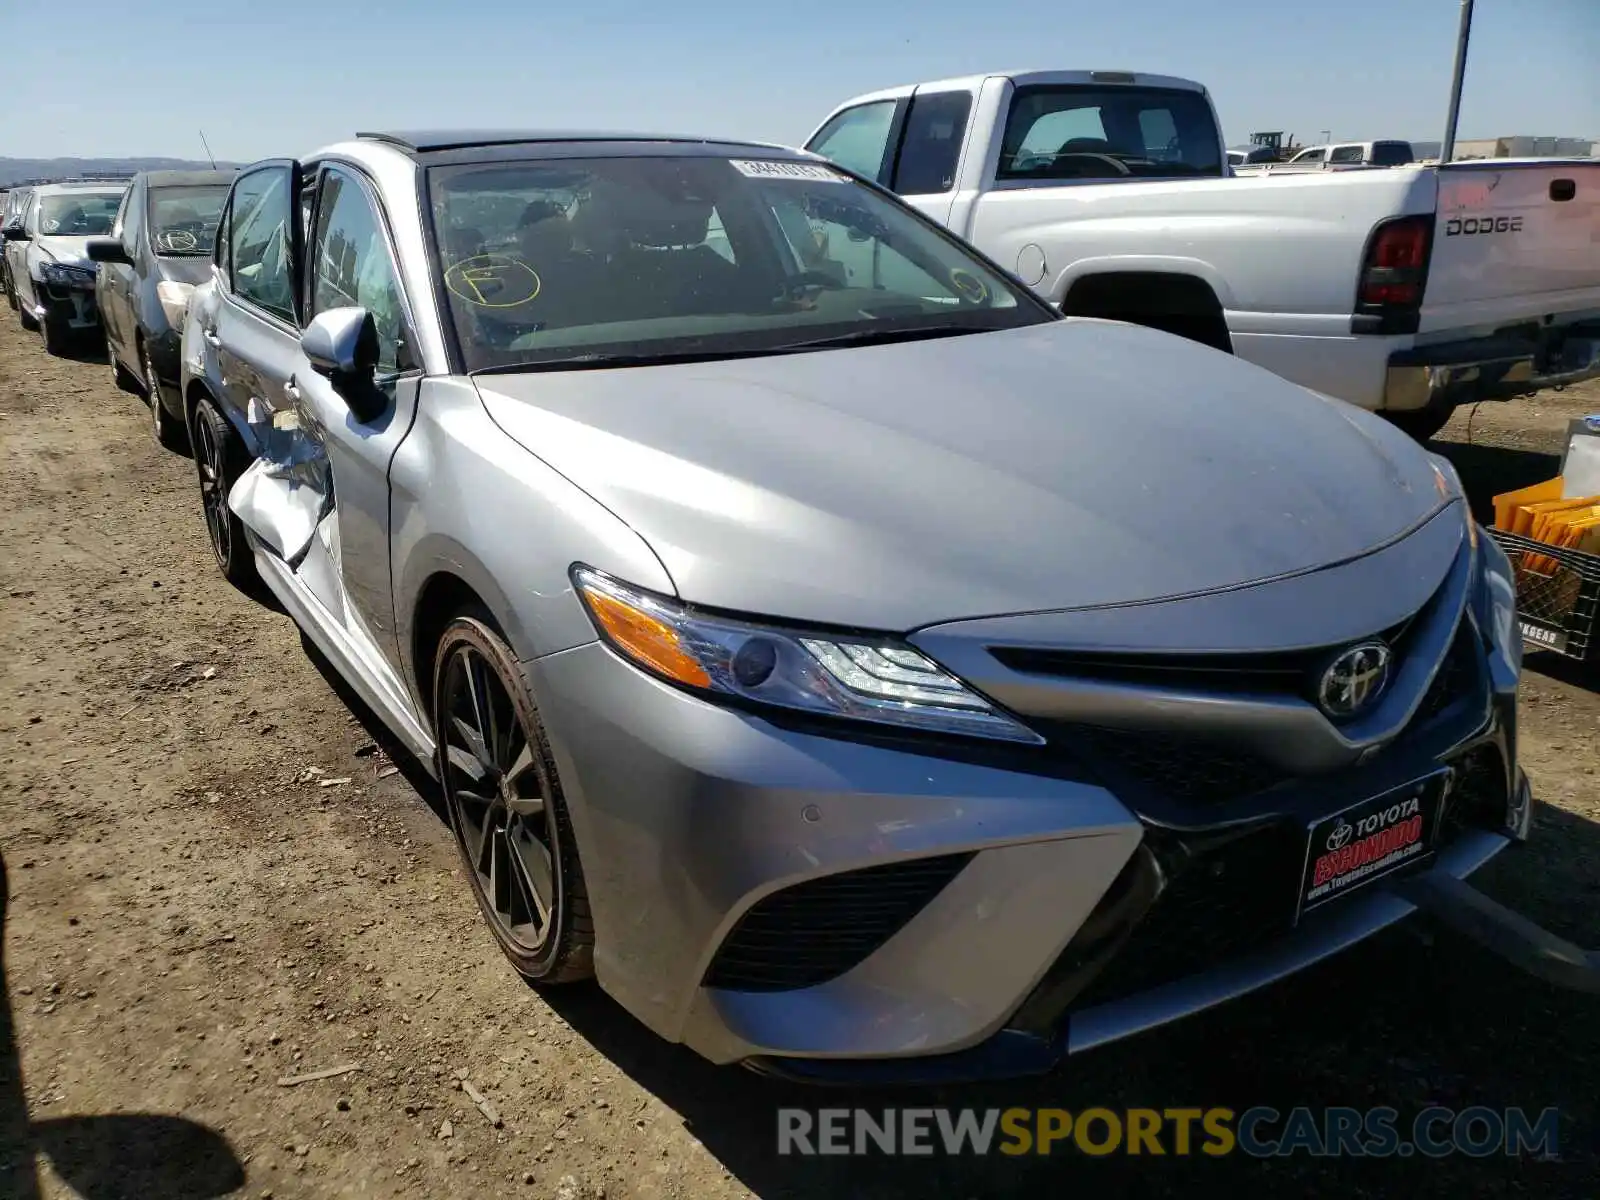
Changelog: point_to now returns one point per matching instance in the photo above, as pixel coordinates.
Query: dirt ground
(217, 883)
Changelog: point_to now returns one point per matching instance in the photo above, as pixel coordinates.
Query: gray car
(858, 667)
(47, 260)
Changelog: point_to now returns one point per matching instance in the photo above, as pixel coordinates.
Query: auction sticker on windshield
(765, 168)
(1370, 840)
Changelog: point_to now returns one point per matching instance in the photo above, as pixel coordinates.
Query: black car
(159, 248)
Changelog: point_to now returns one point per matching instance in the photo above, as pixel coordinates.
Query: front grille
(816, 931)
(1455, 678)
(1186, 770)
(1291, 672)
(1200, 773)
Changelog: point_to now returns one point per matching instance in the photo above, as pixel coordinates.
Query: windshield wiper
(607, 360)
(877, 337)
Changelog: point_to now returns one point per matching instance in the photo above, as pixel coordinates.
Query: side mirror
(342, 344)
(15, 233)
(107, 250)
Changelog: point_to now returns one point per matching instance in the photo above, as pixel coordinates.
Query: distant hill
(13, 170)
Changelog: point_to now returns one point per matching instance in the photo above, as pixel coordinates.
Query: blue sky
(274, 77)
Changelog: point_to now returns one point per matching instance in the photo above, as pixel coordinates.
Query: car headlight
(174, 298)
(66, 276)
(875, 679)
(1497, 602)
(1445, 479)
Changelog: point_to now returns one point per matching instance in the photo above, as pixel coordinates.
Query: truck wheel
(1421, 423)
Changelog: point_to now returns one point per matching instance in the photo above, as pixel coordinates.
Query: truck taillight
(1394, 272)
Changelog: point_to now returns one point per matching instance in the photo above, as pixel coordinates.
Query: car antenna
(207, 145)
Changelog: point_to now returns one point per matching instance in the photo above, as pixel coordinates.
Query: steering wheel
(1122, 167)
(795, 286)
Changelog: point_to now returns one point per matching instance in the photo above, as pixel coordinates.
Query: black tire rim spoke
(496, 791)
(212, 493)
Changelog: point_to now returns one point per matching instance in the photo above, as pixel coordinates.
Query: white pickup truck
(1408, 290)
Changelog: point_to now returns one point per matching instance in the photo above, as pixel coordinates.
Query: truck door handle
(1563, 189)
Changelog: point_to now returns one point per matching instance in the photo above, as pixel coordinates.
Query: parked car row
(85, 260)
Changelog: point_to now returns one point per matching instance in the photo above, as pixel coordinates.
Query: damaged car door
(256, 339)
(353, 390)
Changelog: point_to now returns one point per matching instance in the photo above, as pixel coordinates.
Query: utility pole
(1447, 148)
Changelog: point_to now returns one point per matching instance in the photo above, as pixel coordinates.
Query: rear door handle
(211, 337)
(291, 389)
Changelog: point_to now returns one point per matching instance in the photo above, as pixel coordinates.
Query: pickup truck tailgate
(1514, 240)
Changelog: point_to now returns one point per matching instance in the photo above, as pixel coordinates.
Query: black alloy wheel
(506, 807)
(217, 458)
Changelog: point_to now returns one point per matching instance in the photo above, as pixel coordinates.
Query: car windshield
(78, 214)
(626, 260)
(183, 220)
(1079, 132)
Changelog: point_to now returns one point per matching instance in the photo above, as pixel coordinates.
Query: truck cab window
(858, 138)
(931, 145)
(1071, 132)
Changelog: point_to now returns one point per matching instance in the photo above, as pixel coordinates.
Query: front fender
(468, 501)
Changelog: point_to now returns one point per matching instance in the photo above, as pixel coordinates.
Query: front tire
(57, 334)
(506, 806)
(120, 375)
(167, 429)
(219, 458)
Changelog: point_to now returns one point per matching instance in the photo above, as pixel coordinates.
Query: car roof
(555, 143)
(161, 179)
(82, 185)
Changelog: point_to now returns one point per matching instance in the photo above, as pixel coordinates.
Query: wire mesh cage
(1558, 595)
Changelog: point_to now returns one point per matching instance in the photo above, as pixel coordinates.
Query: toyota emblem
(1354, 680)
(1339, 835)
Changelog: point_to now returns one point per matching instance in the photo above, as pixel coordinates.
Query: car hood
(182, 268)
(69, 251)
(1073, 464)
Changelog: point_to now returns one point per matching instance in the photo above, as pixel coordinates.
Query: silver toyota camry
(860, 669)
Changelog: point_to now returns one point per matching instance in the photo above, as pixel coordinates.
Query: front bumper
(1499, 368)
(719, 846)
(166, 357)
(74, 305)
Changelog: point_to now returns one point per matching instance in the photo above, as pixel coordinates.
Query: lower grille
(1229, 898)
(1184, 770)
(1480, 795)
(1218, 903)
(816, 931)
